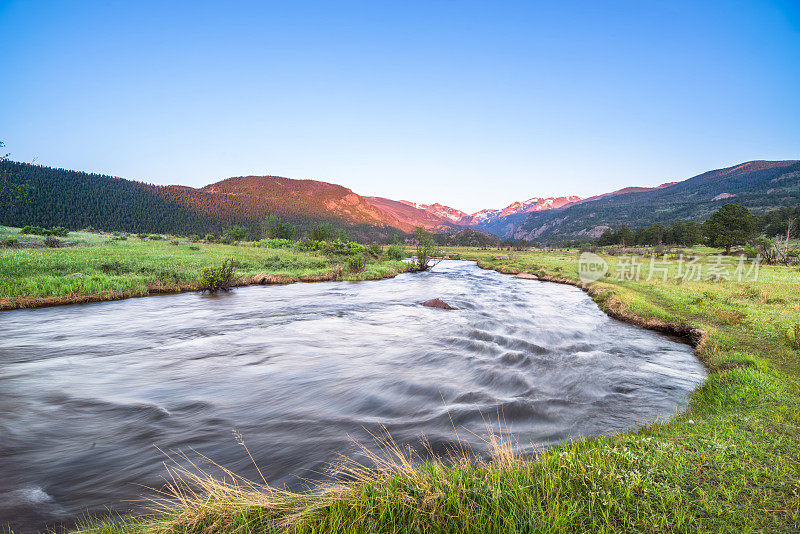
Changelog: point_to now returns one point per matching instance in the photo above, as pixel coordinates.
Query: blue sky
(473, 104)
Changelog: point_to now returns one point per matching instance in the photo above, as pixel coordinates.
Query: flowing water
(86, 391)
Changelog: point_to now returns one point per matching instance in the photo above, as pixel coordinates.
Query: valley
(79, 200)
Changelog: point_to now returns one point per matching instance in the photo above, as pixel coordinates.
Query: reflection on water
(87, 390)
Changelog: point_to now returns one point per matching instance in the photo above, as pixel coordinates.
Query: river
(88, 391)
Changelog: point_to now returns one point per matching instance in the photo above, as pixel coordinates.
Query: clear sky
(472, 104)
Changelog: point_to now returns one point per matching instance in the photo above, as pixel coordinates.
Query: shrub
(275, 228)
(194, 247)
(356, 264)
(339, 247)
(8, 242)
(33, 230)
(38, 230)
(395, 252)
(320, 232)
(309, 245)
(51, 242)
(174, 242)
(337, 272)
(211, 238)
(156, 237)
(274, 243)
(236, 233)
(217, 278)
(142, 236)
(426, 248)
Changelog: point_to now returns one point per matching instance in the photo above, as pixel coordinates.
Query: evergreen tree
(732, 224)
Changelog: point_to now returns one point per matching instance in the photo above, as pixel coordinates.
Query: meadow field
(96, 266)
(730, 463)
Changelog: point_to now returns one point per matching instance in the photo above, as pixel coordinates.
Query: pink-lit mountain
(457, 216)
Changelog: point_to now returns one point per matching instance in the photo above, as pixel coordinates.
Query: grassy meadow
(96, 266)
(730, 463)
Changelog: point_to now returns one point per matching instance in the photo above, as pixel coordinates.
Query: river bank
(104, 267)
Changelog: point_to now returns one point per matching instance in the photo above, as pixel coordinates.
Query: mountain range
(77, 199)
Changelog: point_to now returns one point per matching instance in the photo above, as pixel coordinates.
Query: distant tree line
(731, 225)
(678, 233)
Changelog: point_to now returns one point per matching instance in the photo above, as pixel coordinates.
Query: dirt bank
(16, 303)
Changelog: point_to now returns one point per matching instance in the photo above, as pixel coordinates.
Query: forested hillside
(757, 185)
(73, 199)
(58, 197)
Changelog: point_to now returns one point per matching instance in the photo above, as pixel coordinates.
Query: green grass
(134, 266)
(730, 463)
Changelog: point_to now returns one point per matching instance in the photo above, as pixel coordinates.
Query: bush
(33, 230)
(211, 238)
(274, 243)
(309, 245)
(275, 228)
(339, 247)
(174, 242)
(426, 248)
(52, 242)
(38, 230)
(236, 233)
(142, 236)
(356, 264)
(395, 252)
(320, 232)
(8, 242)
(194, 247)
(217, 278)
(156, 237)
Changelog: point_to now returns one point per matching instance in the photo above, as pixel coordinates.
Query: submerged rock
(438, 303)
(526, 276)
